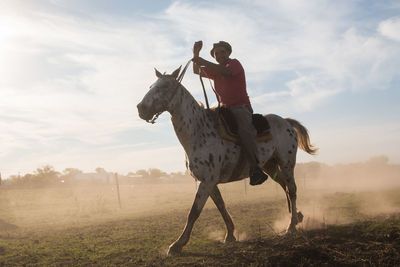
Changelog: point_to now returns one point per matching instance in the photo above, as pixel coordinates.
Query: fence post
(117, 184)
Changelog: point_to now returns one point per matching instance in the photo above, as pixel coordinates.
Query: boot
(257, 177)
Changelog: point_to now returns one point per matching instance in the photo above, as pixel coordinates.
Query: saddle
(228, 128)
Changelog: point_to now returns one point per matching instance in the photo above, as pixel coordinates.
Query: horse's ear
(176, 72)
(158, 74)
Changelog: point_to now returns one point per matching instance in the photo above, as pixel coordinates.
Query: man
(230, 85)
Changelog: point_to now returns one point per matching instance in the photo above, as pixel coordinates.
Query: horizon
(72, 73)
(380, 160)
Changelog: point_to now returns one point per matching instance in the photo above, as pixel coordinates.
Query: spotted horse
(213, 160)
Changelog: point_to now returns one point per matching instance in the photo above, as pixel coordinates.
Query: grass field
(85, 226)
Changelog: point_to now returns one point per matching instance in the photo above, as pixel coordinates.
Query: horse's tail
(304, 138)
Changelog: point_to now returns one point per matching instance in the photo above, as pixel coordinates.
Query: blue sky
(72, 73)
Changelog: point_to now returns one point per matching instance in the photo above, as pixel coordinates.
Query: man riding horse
(230, 86)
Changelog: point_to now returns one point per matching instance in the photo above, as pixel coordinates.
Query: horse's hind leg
(272, 169)
(297, 217)
(284, 175)
(219, 202)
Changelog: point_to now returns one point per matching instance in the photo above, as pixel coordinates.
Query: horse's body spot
(211, 160)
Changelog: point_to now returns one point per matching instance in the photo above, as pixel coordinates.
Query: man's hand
(196, 48)
(199, 61)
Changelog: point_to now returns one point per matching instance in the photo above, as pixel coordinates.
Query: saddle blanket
(227, 127)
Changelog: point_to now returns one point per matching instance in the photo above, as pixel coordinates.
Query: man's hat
(223, 44)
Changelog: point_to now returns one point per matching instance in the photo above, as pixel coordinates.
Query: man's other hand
(197, 47)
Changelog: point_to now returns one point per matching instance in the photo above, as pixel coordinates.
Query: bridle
(179, 80)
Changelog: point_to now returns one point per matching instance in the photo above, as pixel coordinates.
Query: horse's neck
(189, 119)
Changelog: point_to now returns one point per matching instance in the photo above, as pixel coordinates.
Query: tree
(100, 170)
(142, 173)
(72, 171)
(378, 161)
(69, 175)
(46, 175)
(156, 173)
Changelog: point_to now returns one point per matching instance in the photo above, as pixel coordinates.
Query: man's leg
(247, 134)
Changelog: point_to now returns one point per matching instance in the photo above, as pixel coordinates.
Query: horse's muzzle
(146, 113)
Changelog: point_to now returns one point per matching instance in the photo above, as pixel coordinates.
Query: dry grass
(85, 226)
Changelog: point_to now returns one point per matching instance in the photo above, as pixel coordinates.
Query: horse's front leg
(203, 192)
(219, 202)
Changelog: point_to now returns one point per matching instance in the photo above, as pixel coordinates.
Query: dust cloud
(345, 193)
(327, 194)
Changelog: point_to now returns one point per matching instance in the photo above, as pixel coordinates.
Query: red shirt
(231, 90)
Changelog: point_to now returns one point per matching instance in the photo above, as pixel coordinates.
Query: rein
(204, 90)
(180, 77)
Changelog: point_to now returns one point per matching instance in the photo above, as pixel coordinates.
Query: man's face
(221, 55)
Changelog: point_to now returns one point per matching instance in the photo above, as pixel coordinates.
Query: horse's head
(157, 100)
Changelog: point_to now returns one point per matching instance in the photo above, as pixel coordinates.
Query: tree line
(48, 176)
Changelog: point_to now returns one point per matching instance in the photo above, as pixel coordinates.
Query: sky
(72, 73)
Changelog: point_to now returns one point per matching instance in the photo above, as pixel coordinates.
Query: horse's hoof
(230, 239)
(291, 229)
(299, 217)
(174, 249)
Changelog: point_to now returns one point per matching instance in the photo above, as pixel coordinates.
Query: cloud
(311, 90)
(390, 28)
(322, 40)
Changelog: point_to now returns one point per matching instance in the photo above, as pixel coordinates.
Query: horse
(213, 160)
